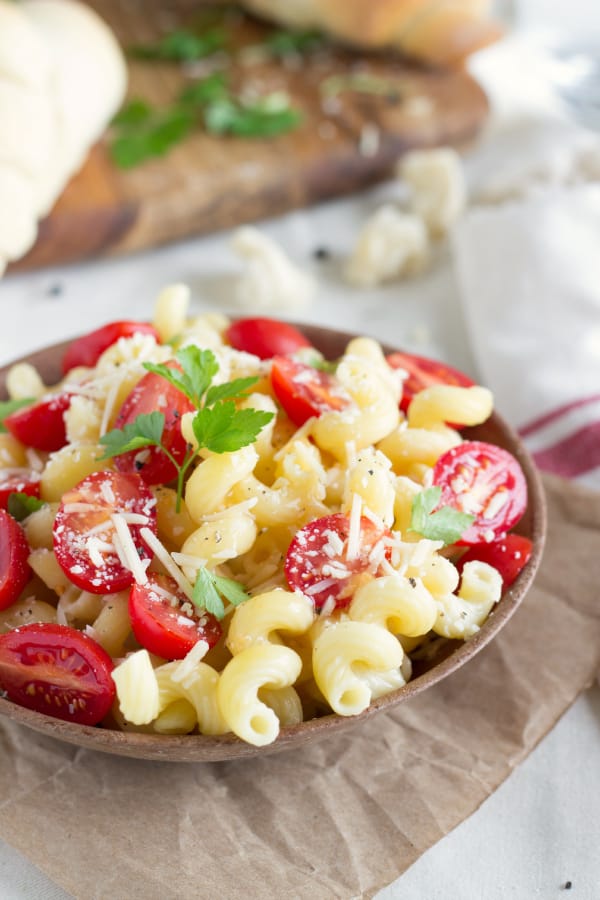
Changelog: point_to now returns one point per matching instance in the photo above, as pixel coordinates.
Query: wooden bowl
(446, 657)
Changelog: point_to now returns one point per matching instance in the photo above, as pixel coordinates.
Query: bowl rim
(214, 748)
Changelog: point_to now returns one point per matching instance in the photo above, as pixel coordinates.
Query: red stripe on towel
(550, 417)
(573, 456)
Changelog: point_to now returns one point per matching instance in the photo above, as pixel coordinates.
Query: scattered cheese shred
(109, 405)
(187, 666)
(167, 560)
(353, 548)
(328, 607)
(131, 558)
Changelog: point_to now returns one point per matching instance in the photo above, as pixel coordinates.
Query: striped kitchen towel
(528, 270)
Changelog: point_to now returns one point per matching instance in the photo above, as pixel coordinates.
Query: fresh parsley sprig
(20, 505)
(224, 112)
(7, 407)
(445, 524)
(210, 588)
(198, 368)
(181, 46)
(145, 431)
(260, 119)
(205, 90)
(142, 131)
(218, 425)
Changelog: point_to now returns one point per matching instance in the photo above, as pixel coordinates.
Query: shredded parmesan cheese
(353, 548)
(131, 558)
(328, 607)
(109, 405)
(167, 560)
(188, 665)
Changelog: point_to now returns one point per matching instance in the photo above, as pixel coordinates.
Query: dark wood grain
(447, 657)
(210, 183)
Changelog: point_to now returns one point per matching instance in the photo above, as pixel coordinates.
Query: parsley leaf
(7, 407)
(145, 431)
(181, 46)
(230, 589)
(21, 505)
(199, 369)
(268, 117)
(447, 524)
(285, 43)
(204, 91)
(223, 428)
(230, 390)
(209, 588)
(133, 113)
(151, 135)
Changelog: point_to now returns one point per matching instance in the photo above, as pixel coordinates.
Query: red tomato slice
(58, 671)
(265, 337)
(423, 373)
(159, 623)
(18, 481)
(154, 393)
(509, 556)
(485, 481)
(84, 531)
(317, 559)
(42, 424)
(304, 392)
(14, 552)
(87, 350)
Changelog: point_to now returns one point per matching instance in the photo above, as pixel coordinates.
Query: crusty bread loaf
(436, 31)
(62, 77)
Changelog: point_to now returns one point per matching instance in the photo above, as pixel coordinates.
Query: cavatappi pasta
(325, 519)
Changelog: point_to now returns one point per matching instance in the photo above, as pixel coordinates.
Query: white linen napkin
(529, 273)
(528, 266)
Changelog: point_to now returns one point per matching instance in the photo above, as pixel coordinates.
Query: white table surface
(542, 827)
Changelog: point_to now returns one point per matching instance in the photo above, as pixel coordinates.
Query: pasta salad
(206, 527)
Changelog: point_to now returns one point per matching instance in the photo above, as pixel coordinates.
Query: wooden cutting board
(208, 183)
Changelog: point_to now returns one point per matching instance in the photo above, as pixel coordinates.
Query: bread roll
(26, 113)
(62, 78)
(436, 31)
(88, 84)
(23, 56)
(18, 221)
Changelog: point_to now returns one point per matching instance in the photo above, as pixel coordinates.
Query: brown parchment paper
(337, 819)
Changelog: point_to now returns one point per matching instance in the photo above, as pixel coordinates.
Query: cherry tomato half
(14, 552)
(303, 391)
(84, 531)
(509, 556)
(159, 623)
(317, 560)
(485, 481)
(423, 373)
(87, 350)
(265, 337)
(154, 393)
(58, 671)
(41, 425)
(19, 481)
